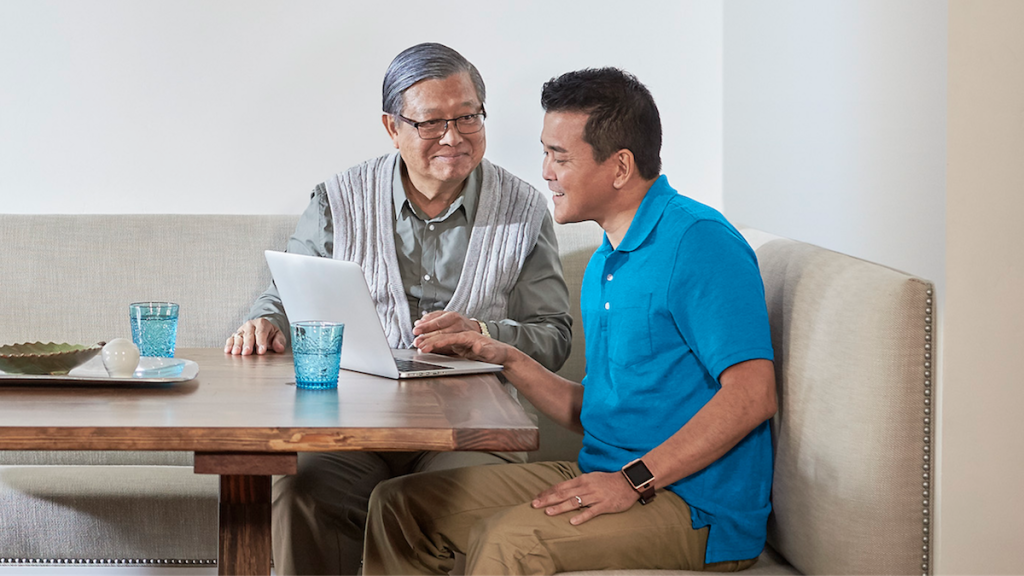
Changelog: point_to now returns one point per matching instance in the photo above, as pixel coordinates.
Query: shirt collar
(468, 200)
(647, 215)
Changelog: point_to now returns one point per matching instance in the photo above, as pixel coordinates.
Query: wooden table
(245, 420)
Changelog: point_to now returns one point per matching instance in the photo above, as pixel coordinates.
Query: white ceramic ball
(120, 357)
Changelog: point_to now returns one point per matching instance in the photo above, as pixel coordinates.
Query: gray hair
(421, 62)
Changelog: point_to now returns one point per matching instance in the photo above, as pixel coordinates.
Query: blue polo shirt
(678, 302)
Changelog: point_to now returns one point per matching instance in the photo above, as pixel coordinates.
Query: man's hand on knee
(591, 494)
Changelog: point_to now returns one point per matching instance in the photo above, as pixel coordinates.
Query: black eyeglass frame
(482, 113)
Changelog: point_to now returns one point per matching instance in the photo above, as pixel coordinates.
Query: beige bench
(852, 435)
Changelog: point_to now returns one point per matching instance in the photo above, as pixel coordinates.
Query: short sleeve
(717, 297)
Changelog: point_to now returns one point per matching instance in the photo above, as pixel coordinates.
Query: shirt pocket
(629, 331)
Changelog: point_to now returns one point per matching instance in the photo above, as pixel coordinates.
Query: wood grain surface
(250, 404)
(246, 463)
(244, 544)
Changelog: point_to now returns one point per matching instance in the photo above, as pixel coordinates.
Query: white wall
(982, 522)
(117, 106)
(834, 125)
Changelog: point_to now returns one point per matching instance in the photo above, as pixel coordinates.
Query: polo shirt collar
(647, 215)
(467, 200)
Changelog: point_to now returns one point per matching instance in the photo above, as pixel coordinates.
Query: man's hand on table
(257, 336)
(442, 322)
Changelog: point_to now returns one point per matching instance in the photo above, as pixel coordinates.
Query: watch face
(638, 473)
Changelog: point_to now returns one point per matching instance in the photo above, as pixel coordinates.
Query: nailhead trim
(105, 562)
(926, 500)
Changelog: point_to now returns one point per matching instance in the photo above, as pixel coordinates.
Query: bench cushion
(769, 563)
(108, 512)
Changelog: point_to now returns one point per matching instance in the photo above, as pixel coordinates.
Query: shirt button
(426, 277)
(607, 305)
(431, 227)
(610, 277)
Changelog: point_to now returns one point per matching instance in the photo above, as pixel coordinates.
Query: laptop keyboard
(414, 366)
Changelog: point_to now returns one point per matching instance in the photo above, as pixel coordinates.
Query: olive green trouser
(319, 513)
(417, 522)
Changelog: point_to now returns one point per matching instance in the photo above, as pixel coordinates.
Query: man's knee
(509, 538)
(515, 524)
(386, 492)
(416, 500)
(394, 495)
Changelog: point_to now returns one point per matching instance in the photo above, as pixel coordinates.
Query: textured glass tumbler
(316, 349)
(154, 327)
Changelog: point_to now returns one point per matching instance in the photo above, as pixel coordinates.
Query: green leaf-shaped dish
(45, 358)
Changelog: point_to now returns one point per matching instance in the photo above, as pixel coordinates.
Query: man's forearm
(747, 399)
(558, 398)
(269, 306)
(313, 236)
(548, 342)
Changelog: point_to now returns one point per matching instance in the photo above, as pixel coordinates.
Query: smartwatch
(640, 478)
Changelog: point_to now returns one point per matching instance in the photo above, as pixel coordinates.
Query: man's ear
(625, 168)
(391, 126)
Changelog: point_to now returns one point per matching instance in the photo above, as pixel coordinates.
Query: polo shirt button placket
(607, 303)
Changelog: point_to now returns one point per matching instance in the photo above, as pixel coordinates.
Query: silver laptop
(330, 290)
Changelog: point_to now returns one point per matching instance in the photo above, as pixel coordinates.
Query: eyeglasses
(435, 129)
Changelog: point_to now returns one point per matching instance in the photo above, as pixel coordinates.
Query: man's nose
(452, 137)
(545, 169)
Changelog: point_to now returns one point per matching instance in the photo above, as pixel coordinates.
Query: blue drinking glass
(154, 327)
(316, 350)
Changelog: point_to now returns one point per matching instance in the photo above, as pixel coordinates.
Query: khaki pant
(319, 513)
(416, 523)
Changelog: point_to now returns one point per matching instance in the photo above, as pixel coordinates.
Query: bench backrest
(71, 278)
(854, 367)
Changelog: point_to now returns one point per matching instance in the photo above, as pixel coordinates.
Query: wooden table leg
(244, 525)
(245, 493)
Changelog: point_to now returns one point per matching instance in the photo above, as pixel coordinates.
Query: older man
(449, 243)
(678, 389)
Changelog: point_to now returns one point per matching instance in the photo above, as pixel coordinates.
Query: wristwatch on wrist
(640, 478)
(483, 327)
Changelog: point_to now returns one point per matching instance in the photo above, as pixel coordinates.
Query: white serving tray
(150, 371)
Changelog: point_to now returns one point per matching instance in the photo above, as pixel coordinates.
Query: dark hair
(420, 62)
(622, 114)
